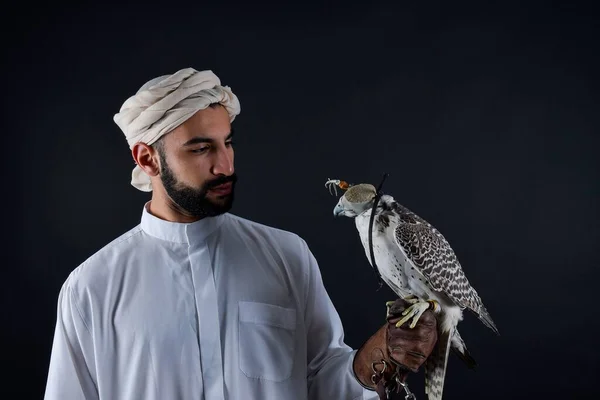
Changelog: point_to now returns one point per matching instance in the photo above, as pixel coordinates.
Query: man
(196, 303)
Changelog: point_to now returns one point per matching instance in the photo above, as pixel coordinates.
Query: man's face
(197, 164)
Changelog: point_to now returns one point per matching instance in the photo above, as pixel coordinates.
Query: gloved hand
(409, 348)
(394, 350)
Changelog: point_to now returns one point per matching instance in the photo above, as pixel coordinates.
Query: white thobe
(222, 308)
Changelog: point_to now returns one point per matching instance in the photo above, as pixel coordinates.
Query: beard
(195, 202)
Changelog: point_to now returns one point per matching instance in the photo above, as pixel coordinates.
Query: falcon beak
(338, 210)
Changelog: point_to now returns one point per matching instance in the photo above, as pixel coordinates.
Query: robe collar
(177, 231)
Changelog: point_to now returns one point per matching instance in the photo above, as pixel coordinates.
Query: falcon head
(355, 201)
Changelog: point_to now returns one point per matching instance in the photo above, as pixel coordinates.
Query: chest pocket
(266, 340)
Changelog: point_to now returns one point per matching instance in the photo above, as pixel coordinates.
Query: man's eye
(201, 149)
(229, 143)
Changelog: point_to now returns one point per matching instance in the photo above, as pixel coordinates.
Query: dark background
(485, 117)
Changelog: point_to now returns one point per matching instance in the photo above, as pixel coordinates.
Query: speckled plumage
(429, 250)
(415, 259)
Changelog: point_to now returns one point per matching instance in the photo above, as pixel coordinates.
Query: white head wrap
(164, 103)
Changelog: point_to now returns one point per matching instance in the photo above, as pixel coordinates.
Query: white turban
(164, 103)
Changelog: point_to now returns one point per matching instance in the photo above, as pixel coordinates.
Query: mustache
(220, 181)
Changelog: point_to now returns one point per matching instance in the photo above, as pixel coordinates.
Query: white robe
(222, 308)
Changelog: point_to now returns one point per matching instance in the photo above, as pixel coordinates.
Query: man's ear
(146, 158)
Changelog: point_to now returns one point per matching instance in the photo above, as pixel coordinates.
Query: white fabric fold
(164, 103)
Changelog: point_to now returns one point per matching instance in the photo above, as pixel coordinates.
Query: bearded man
(197, 303)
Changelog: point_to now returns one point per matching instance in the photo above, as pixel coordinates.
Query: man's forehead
(181, 137)
(208, 123)
(211, 117)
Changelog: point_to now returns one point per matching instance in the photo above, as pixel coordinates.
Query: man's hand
(409, 348)
(393, 349)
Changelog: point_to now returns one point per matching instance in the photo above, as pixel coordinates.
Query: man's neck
(165, 209)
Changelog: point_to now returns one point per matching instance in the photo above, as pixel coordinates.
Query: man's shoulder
(285, 247)
(263, 228)
(98, 265)
(268, 233)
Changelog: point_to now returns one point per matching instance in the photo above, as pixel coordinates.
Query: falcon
(418, 264)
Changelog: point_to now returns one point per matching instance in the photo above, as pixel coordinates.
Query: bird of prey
(418, 264)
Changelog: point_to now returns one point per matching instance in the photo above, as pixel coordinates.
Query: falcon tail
(435, 366)
(460, 349)
(486, 318)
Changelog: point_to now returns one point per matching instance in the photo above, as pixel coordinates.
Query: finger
(428, 318)
(423, 323)
(419, 333)
(423, 347)
(396, 310)
(398, 305)
(406, 338)
(411, 360)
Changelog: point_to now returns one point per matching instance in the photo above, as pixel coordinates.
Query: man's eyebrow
(200, 139)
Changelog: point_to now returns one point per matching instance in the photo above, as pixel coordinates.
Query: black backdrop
(485, 117)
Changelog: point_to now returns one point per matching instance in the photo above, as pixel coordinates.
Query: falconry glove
(385, 360)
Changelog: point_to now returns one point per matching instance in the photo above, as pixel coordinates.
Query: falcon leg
(415, 311)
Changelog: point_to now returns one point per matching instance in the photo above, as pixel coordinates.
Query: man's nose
(223, 163)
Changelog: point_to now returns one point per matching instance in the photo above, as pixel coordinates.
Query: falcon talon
(412, 300)
(415, 311)
(434, 305)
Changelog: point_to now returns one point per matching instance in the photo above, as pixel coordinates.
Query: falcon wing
(432, 255)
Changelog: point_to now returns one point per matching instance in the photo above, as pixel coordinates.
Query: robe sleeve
(330, 373)
(72, 369)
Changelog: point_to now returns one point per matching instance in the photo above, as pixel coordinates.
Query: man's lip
(222, 188)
